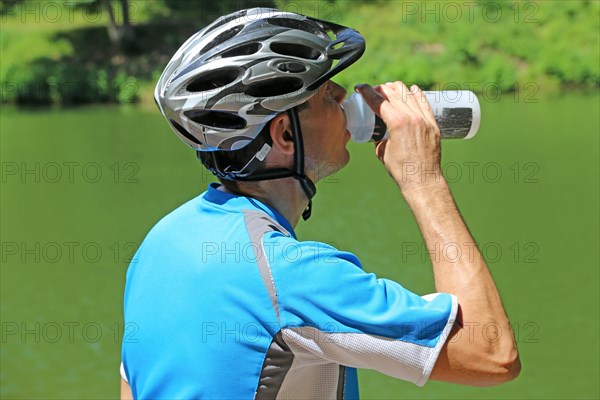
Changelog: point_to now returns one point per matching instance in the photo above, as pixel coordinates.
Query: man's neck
(284, 195)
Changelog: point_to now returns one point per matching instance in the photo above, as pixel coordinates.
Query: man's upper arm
(443, 370)
(125, 390)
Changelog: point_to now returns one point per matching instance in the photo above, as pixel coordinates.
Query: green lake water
(81, 187)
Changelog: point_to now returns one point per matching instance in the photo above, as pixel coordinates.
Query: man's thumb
(371, 96)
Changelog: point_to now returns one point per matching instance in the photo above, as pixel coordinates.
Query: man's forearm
(455, 257)
(460, 269)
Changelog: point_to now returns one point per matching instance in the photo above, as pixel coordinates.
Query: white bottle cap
(360, 119)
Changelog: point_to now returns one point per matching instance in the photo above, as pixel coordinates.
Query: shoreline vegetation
(113, 51)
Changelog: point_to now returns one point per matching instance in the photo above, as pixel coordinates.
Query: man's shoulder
(285, 250)
(184, 212)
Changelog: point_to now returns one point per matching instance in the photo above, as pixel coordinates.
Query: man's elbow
(503, 369)
(477, 363)
(511, 367)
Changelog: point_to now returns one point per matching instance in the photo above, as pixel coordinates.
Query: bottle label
(456, 122)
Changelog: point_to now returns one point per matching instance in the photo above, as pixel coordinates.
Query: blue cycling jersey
(227, 303)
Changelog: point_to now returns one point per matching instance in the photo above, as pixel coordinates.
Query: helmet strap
(307, 185)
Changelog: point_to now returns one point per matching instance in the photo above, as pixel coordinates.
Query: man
(228, 302)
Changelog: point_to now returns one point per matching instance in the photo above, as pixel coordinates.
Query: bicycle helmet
(232, 77)
(227, 81)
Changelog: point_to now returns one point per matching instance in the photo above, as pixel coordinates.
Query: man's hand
(412, 153)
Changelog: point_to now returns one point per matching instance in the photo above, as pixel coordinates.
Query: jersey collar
(237, 203)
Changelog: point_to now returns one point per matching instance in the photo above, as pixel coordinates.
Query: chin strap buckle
(308, 211)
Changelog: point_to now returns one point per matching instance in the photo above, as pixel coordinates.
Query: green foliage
(434, 44)
(494, 43)
(7, 5)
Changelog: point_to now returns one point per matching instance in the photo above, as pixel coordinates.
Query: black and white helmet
(231, 78)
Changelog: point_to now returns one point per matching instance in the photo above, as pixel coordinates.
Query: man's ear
(281, 134)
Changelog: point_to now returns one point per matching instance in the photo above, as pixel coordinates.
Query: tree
(120, 33)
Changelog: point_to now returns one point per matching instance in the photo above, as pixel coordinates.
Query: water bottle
(456, 112)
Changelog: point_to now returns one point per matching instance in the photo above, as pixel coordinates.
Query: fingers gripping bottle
(456, 112)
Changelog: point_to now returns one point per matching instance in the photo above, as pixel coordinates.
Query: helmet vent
(291, 23)
(293, 67)
(225, 20)
(222, 37)
(295, 50)
(185, 133)
(244, 50)
(274, 87)
(216, 119)
(213, 80)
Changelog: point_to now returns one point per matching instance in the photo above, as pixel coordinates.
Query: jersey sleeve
(331, 309)
(122, 372)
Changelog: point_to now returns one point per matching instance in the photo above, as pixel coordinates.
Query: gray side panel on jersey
(277, 364)
(279, 357)
(341, 383)
(283, 374)
(312, 377)
(257, 224)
